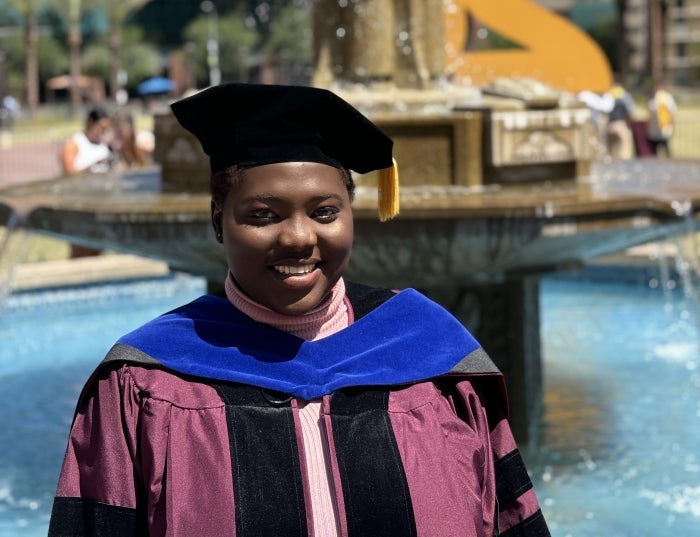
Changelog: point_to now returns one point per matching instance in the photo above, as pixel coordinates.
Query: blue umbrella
(156, 84)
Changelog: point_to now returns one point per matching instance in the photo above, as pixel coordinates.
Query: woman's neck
(330, 316)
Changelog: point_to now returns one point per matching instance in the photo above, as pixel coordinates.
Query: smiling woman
(295, 404)
(287, 247)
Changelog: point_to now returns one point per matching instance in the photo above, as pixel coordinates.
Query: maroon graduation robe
(161, 452)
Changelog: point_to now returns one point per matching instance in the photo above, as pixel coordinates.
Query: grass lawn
(686, 140)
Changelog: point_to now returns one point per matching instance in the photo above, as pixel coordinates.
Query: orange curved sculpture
(553, 50)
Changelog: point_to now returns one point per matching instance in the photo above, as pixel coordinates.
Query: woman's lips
(298, 276)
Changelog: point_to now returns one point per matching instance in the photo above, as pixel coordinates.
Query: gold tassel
(388, 192)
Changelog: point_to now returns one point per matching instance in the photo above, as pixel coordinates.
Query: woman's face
(100, 131)
(287, 232)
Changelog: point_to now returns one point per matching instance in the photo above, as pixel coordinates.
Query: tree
(75, 41)
(28, 9)
(45, 57)
(622, 48)
(237, 43)
(117, 12)
(141, 60)
(137, 59)
(290, 44)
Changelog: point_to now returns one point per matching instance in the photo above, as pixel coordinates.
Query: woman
(297, 404)
(124, 145)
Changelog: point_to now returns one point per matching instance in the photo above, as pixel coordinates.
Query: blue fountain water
(620, 433)
(49, 342)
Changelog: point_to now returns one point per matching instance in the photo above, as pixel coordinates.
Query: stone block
(532, 145)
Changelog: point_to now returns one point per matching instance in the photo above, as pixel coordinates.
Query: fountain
(499, 188)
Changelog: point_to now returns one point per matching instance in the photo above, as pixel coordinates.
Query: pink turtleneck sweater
(328, 317)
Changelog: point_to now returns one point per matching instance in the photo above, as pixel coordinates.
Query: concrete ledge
(643, 255)
(84, 270)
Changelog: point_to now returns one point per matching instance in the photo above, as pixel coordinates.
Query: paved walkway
(22, 162)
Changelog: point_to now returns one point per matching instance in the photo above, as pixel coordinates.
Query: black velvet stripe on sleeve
(512, 479)
(532, 526)
(267, 483)
(79, 517)
(375, 488)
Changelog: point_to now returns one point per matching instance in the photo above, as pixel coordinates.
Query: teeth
(304, 269)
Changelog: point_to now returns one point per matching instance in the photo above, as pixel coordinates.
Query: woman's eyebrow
(273, 197)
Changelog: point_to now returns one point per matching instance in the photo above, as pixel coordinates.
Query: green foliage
(53, 14)
(9, 15)
(53, 60)
(276, 33)
(13, 47)
(605, 32)
(163, 22)
(139, 59)
(237, 42)
(93, 24)
(96, 61)
(290, 44)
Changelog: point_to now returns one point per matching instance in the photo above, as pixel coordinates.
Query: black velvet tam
(254, 124)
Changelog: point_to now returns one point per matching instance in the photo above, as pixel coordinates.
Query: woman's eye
(326, 214)
(262, 215)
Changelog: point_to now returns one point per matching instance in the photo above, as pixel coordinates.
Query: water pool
(49, 342)
(619, 453)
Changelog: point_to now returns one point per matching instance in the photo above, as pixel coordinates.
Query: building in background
(661, 37)
(682, 42)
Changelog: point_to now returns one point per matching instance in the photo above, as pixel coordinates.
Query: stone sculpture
(379, 43)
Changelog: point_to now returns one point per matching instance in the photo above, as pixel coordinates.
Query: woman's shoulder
(153, 383)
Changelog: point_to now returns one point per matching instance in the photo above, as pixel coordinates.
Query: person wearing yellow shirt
(662, 120)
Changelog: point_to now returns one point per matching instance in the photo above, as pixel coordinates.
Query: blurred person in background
(662, 120)
(9, 112)
(88, 150)
(127, 145)
(618, 137)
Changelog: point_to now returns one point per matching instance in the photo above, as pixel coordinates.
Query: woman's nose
(297, 232)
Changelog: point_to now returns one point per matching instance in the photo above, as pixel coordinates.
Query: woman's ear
(217, 221)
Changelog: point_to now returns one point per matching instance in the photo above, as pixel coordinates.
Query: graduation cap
(249, 125)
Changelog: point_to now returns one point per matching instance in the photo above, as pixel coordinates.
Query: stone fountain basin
(444, 236)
